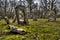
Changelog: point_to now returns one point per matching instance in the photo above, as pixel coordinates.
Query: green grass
(37, 30)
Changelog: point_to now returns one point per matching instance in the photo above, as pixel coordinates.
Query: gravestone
(51, 16)
(17, 30)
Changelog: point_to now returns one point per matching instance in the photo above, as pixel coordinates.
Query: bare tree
(35, 12)
(52, 10)
(21, 8)
(5, 16)
(29, 5)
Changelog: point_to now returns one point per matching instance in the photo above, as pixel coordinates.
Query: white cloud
(37, 1)
(17, 0)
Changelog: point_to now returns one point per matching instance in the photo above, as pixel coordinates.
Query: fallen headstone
(51, 19)
(17, 30)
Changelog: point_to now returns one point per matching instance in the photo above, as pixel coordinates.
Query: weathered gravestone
(51, 16)
(14, 29)
(51, 19)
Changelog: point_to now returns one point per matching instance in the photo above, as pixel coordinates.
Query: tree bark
(14, 19)
(6, 19)
(25, 18)
(17, 15)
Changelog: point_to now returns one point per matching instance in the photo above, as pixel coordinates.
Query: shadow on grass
(10, 33)
(3, 25)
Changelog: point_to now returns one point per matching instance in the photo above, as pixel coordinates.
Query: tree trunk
(6, 19)
(14, 19)
(17, 15)
(25, 18)
(30, 10)
(35, 16)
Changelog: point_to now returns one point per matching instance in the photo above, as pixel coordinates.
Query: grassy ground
(37, 30)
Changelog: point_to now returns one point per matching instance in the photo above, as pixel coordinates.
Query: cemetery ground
(36, 30)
